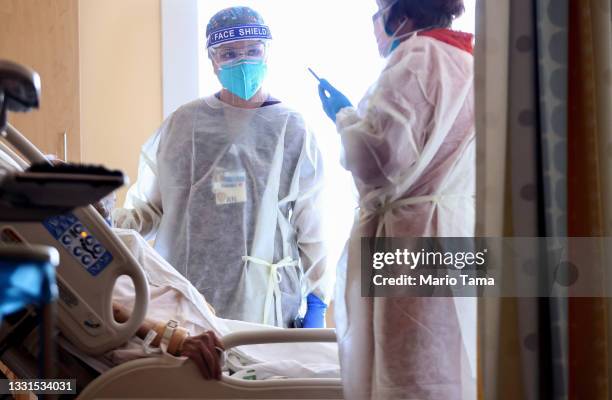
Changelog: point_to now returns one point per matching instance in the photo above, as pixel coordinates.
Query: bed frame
(171, 377)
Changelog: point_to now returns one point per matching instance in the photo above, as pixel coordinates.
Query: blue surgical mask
(244, 78)
(387, 41)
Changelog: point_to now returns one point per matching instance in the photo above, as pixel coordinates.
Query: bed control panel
(78, 242)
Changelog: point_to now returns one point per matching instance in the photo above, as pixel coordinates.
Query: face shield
(248, 51)
(240, 56)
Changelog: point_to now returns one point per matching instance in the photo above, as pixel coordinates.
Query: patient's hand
(204, 351)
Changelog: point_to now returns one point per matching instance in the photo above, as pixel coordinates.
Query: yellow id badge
(229, 187)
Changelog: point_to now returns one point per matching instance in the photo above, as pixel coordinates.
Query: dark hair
(426, 13)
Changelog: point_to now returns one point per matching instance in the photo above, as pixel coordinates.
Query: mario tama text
(426, 261)
(431, 280)
(424, 267)
(521, 267)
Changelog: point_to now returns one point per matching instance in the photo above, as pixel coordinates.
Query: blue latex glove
(335, 102)
(315, 312)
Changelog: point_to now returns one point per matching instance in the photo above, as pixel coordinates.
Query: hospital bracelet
(176, 342)
(176, 337)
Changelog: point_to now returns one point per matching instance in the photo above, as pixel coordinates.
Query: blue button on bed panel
(81, 244)
(101, 263)
(98, 249)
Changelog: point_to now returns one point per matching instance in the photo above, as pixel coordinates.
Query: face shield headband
(236, 33)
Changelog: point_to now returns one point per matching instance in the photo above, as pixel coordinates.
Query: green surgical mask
(244, 78)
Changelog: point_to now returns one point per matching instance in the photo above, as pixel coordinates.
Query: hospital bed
(91, 261)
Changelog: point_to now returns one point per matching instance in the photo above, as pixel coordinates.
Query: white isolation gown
(218, 183)
(410, 146)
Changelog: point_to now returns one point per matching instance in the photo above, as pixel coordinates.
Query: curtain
(491, 86)
(588, 349)
(553, 26)
(602, 50)
(544, 162)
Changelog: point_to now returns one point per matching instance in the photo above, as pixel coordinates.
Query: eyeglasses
(233, 52)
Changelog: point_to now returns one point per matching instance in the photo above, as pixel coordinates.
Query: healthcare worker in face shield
(410, 146)
(230, 188)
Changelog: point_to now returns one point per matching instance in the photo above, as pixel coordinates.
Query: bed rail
(266, 336)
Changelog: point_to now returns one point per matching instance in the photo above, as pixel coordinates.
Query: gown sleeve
(385, 136)
(307, 220)
(143, 210)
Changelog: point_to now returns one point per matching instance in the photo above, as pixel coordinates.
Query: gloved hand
(315, 312)
(335, 102)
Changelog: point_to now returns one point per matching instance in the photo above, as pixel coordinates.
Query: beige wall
(121, 80)
(44, 36)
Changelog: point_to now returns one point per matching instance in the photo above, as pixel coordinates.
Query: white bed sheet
(173, 297)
